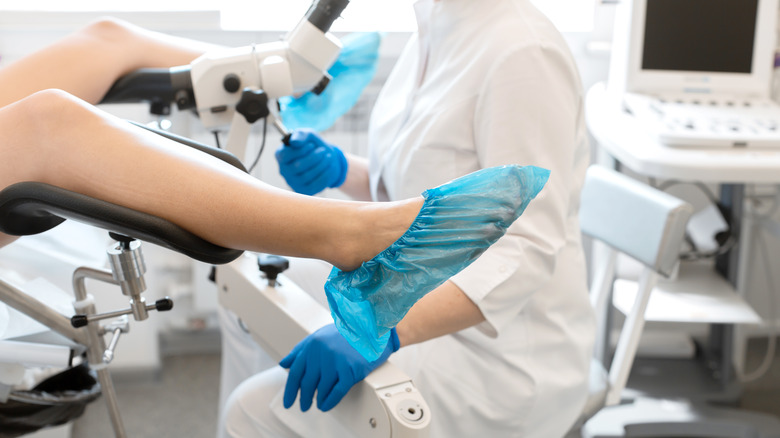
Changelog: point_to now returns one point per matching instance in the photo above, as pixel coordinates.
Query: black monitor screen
(700, 35)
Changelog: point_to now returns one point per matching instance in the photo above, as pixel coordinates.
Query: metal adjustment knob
(127, 264)
(128, 269)
(78, 321)
(163, 304)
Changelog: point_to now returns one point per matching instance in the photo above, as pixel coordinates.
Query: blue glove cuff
(393, 341)
(343, 165)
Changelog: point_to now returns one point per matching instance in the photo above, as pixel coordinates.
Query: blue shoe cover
(456, 224)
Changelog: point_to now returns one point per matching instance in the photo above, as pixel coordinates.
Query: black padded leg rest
(32, 207)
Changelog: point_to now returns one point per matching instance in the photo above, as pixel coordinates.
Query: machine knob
(163, 304)
(253, 105)
(78, 321)
(231, 82)
(123, 240)
(272, 266)
(120, 237)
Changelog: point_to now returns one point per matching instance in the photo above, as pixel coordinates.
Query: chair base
(646, 417)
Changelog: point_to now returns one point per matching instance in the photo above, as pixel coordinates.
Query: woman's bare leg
(55, 138)
(87, 62)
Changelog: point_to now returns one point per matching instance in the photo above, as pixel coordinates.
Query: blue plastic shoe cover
(456, 224)
(352, 72)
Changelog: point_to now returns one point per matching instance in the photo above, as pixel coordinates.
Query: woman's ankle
(381, 224)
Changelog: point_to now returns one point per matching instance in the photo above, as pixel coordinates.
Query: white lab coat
(494, 84)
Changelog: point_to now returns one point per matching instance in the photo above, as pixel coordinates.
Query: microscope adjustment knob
(231, 83)
(253, 105)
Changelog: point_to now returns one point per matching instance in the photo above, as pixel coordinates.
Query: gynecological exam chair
(385, 404)
(236, 87)
(29, 208)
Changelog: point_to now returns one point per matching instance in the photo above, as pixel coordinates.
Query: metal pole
(96, 344)
(40, 312)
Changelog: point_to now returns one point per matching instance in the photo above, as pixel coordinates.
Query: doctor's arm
(443, 311)
(325, 363)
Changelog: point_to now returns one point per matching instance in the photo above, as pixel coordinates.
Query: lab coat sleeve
(527, 113)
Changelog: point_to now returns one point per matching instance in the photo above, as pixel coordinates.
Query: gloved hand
(324, 361)
(351, 73)
(309, 165)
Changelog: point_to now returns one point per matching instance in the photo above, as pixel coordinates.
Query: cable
(772, 339)
(773, 205)
(262, 145)
(725, 239)
(706, 190)
(723, 248)
(216, 139)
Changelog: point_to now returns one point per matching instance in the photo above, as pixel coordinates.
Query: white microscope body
(234, 87)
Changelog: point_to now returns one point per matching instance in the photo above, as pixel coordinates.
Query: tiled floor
(182, 404)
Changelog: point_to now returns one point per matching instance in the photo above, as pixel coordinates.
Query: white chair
(623, 215)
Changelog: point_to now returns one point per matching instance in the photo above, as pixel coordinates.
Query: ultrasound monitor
(696, 46)
(700, 35)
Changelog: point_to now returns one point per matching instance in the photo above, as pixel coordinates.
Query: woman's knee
(53, 108)
(48, 120)
(108, 29)
(30, 130)
(46, 101)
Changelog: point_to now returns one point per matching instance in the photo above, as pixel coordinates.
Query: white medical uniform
(486, 83)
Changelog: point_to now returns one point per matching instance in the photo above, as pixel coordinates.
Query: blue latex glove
(324, 361)
(351, 73)
(309, 165)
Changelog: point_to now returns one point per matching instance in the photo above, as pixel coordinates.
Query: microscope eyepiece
(323, 13)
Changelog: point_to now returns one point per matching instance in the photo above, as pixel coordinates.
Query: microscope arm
(384, 404)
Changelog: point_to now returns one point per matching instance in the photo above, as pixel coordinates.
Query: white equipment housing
(385, 404)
